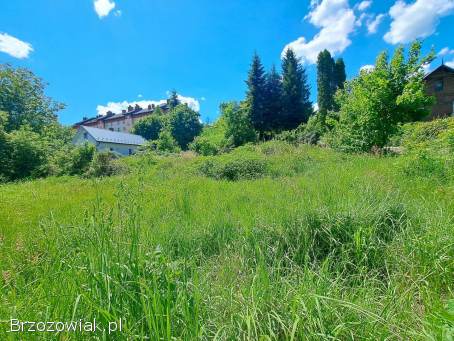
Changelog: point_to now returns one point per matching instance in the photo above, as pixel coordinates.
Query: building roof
(104, 135)
(111, 116)
(442, 67)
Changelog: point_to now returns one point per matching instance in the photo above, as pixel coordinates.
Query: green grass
(308, 245)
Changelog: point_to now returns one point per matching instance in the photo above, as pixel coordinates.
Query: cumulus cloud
(372, 25)
(362, 6)
(14, 47)
(367, 68)
(445, 52)
(117, 107)
(416, 20)
(104, 7)
(336, 21)
(450, 64)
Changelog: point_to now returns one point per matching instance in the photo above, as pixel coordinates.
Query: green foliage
(345, 248)
(150, 126)
(373, 104)
(296, 105)
(103, 165)
(255, 96)
(166, 143)
(239, 129)
(22, 98)
(212, 140)
(184, 125)
(26, 153)
(273, 101)
(173, 100)
(234, 169)
(330, 77)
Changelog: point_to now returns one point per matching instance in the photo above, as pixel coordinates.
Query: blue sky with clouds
(98, 55)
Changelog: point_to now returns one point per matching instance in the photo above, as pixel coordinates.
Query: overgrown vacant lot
(270, 242)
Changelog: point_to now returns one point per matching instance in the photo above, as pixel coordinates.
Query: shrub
(239, 128)
(423, 164)
(27, 153)
(242, 168)
(166, 143)
(212, 140)
(103, 165)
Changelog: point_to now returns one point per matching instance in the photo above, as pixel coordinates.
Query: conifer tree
(255, 96)
(297, 107)
(326, 84)
(273, 100)
(173, 100)
(339, 74)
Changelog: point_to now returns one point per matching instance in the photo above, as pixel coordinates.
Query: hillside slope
(268, 242)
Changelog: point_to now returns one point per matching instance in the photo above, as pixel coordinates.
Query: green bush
(234, 169)
(424, 164)
(103, 165)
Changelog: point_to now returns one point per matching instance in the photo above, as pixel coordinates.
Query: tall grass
(320, 245)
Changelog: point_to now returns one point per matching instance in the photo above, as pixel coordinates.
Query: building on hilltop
(107, 140)
(440, 84)
(122, 122)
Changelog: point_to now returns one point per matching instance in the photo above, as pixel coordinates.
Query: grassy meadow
(268, 242)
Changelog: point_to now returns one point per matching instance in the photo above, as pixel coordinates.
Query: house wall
(444, 105)
(124, 149)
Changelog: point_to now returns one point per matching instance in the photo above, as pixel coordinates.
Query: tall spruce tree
(339, 74)
(296, 105)
(255, 96)
(326, 84)
(273, 100)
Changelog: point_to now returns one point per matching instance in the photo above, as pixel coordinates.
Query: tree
(149, 127)
(173, 100)
(374, 103)
(255, 96)
(330, 77)
(340, 75)
(297, 107)
(166, 142)
(326, 84)
(273, 100)
(27, 154)
(239, 129)
(22, 98)
(184, 125)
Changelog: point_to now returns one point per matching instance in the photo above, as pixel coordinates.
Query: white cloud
(336, 21)
(427, 68)
(416, 20)
(14, 47)
(117, 107)
(445, 52)
(315, 106)
(372, 25)
(104, 7)
(362, 6)
(450, 64)
(367, 68)
(118, 13)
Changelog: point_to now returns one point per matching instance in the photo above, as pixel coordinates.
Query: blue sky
(104, 54)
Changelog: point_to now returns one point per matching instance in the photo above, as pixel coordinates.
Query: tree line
(355, 115)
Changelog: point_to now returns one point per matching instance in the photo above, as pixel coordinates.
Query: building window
(439, 85)
(86, 136)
